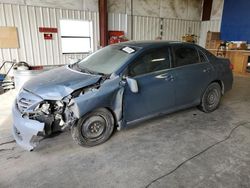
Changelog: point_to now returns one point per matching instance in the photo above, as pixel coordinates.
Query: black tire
(210, 100)
(94, 128)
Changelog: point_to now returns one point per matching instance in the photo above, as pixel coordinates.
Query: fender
(111, 93)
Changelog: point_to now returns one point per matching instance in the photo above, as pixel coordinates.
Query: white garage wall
(174, 29)
(148, 28)
(212, 25)
(144, 27)
(37, 51)
(117, 21)
(33, 48)
(179, 9)
(88, 5)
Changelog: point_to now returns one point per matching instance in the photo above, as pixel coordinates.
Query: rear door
(193, 74)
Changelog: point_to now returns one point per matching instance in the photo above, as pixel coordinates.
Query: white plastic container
(22, 76)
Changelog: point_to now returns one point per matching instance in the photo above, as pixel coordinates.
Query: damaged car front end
(35, 118)
(57, 99)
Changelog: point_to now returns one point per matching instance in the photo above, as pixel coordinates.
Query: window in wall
(76, 36)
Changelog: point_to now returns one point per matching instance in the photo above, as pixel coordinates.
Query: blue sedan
(116, 87)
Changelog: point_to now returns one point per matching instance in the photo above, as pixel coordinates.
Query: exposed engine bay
(55, 114)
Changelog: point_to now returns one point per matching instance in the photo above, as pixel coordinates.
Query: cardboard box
(237, 46)
(242, 46)
(213, 36)
(213, 44)
(8, 37)
(232, 46)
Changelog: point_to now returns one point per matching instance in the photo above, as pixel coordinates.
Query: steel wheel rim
(213, 98)
(94, 127)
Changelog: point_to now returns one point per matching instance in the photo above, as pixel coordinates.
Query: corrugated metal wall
(117, 21)
(212, 25)
(33, 48)
(174, 29)
(149, 28)
(145, 28)
(37, 51)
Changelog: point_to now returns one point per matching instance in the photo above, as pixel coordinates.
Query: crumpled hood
(59, 82)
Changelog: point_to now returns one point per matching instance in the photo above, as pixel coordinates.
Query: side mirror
(132, 83)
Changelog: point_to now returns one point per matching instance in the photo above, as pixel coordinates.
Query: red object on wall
(48, 36)
(116, 37)
(48, 30)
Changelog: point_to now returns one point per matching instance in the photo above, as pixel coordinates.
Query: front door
(156, 85)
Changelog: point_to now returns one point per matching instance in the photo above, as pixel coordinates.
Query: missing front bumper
(25, 131)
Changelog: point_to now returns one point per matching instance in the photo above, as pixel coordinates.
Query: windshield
(106, 60)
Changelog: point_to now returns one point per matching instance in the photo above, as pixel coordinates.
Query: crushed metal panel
(111, 94)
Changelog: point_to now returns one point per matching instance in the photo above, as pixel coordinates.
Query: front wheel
(210, 100)
(93, 129)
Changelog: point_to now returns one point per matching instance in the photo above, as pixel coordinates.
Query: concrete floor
(184, 149)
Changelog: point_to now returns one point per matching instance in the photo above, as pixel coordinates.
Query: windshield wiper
(81, 69)
(85, 70)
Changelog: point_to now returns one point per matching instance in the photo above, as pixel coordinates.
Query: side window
(203, 58)
(185, 55)
(152, 61)
(209, 55)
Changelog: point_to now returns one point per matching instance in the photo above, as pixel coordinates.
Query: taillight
(231, 66)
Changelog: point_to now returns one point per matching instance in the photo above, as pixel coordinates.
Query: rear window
(203, 58)
(209, 55)
(185, 55)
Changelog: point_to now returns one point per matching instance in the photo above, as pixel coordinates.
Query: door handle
(206, 70)
(167, 77)
(162, 76)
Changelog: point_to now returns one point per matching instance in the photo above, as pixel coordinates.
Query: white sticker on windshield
(128, 50)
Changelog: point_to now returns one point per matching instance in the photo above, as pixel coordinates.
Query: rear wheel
(93, 129)
(211, 98)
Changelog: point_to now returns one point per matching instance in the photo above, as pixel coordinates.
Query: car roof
(151, 43)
